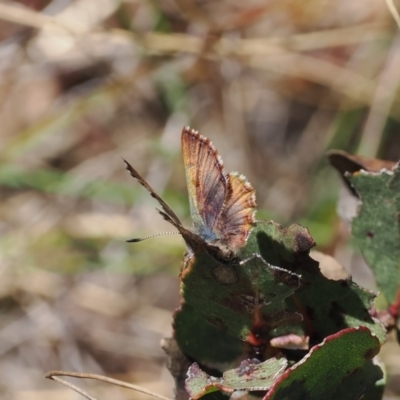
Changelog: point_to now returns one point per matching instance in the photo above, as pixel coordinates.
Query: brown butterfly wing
(238, 215)
(167, 210)
(192, 240)
(206, 182)
(222, 206)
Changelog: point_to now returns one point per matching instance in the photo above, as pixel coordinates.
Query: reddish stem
(395, 307)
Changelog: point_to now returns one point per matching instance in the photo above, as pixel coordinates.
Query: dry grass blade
(178, 42)
(24, 16)
(287, 57)
(71, 386)
(382, 102)
(393, 11)
(54, 375)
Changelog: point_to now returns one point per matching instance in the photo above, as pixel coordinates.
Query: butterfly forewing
(206, 182)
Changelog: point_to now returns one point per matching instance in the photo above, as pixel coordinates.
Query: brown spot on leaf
(250, 302)
(288, 279)
(217, 322)
(304, 241)
(370, 234)
(247, 367)
(225, 274)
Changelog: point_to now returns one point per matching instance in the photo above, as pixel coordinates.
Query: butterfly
(222, 206)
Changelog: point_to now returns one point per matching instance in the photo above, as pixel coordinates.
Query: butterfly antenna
(135, 240)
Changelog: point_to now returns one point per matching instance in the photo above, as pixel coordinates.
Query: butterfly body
(222, 206)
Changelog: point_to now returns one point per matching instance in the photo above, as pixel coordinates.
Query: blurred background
(273, 83)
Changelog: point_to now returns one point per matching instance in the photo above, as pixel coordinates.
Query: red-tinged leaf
(251, 375)
(327, 366)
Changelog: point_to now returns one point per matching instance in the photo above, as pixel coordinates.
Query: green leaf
(203, 341)
(250, 375)
(243, 299)
(376, 229)
(328, 366)
(327, 306)
(366, 383)
(252, 301)
(277, 245)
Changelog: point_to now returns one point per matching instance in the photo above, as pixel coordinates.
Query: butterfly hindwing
(238, 215)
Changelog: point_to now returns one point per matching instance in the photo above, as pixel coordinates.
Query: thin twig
(71, 386)
(54, 374)
(393, 11)
(243, 47)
